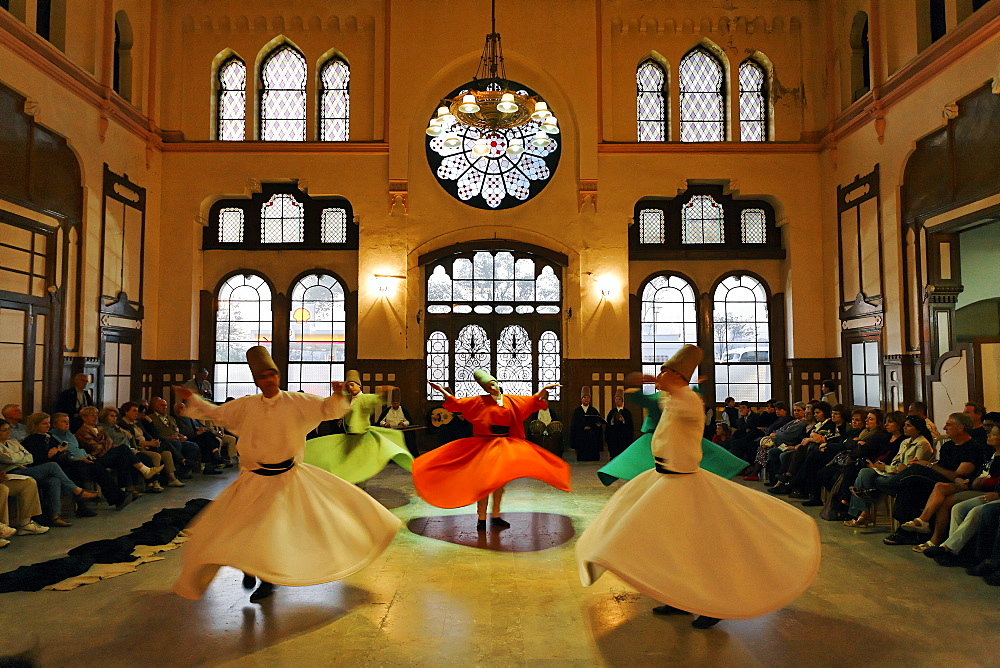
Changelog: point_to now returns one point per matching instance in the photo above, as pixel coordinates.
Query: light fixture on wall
(490, 103)
(607, 285)
(384, 281)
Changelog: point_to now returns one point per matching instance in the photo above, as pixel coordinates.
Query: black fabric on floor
(162, 528)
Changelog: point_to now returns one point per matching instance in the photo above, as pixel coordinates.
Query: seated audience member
(960, 457)
(187, 455)
(743, 420)
(45, 447)
(870, 445)
(781, 418)
(822, 424)
(722, 434)
(985, 555)
(976, 413)
(730, 414)
(919, 409)
(52, 482)
(82, 469)
(128, 417)
(948, 496)
(164, 427)
(916, 445)
(782, 439)
(74, 399)
(120, 458)
(107, 419)
(12, 415)
(744, 444)
(829, 392)
(25, 491)
(196, 432)
(825, 442)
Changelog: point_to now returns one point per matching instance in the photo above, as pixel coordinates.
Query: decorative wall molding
(287, 147)
(725, 25)
(752, 147)
(399, 195)
(270, 25)
(588, 194)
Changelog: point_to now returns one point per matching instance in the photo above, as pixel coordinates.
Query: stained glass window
(316, 345)
(283, 96)
(335, 101)
(702, 97)
(243, 320)
(702, 221)
(472, 351)
(282, 220)
(753, 226)
(753, 102)
(230, 225)
(652, 226)
(438, 362)
(651, 107)
(668, 320)
(514, 361)
(333, 226)
(742, 348)
(231, 104)
(494, 277)
(498, 179)
(549, 363)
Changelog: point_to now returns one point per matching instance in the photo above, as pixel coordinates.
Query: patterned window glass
(230, 225)
(651, 107)
(549, 363)
(702, 93)
(652, 226)
(282, 220)
(231, 105)
(318, 327)
(514, 361)
(702, 221)
(742, 349)
(243, 320)
(547, 286)
(472, 351)
(283, 96)
(498, 179)
(333, 226)
(438, 362)
(753, 102)
(753, 226)
(494, 277)
(335, 101)
(668, 320)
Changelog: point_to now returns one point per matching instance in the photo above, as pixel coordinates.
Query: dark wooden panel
(15, 130)
(976, 136)
(54, 179)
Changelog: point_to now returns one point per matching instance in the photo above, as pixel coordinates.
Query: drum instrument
(536, 427)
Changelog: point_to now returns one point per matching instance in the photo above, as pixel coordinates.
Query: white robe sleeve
(225, 415)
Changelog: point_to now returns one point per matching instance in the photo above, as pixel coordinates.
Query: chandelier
(490, 104)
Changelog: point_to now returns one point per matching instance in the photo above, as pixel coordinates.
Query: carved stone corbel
(588, 194)
(399, 196)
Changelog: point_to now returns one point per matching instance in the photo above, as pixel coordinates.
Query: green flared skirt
(357, 457)
(638, 458)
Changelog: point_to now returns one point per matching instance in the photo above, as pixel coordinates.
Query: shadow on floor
(528, 532)
(388, 497)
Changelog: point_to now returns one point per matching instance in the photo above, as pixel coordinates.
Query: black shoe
(669, 610)
(127, 499)
(812, 502)
(781, 488)
(263, 591)
(211, 470)
(903, 538)
(798, 495)
(83, 510)
(948, 559)
(498, 523)
(985, 567)
(705, 622)
(481, 525)
(249, 581)
(935, 552)
(993, 579)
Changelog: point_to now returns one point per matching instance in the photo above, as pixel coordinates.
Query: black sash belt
(662, 469)
(275, 469)
(499, 429)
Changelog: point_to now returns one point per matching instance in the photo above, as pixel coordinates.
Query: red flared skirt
(463, 471)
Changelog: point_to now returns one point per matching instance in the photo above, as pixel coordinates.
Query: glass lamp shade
(445, 116)
(451, 140)
(515, 147)
(540, 139)
(434, 129)
(550, 125)
(481, 147)
(506, 104)
(541, 111)
(468, 105)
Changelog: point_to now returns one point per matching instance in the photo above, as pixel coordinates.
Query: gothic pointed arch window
(702, 82)
(702, 221)
(438, 361)
(243, 319)
(514, 361)
(668, 320)
(651, 101)
(282, 220)
(316, 346)
(335, 101)
(742, 350)
(283, 95)
(473, 350)
(231, 100)
(754, 102)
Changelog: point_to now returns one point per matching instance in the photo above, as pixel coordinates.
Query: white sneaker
(31, 528)
(4, 542)
(175, 483)
(6, 531)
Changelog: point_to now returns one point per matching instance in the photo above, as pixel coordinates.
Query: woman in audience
(870, 445)
(128, 421)
(782, 440)
(821, 425)
(915, 445)
(52, 482)
(99, 446)
(805, 483)
(107, 418)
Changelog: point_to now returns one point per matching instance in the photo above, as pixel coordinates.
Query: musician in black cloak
(586, 433)
(620, 431)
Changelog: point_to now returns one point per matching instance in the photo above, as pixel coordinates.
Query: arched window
(282, 219)
(753, 102)
(243, 320)
(514, 361)
(651, 101)
(472, 351)
(702, 221)
(316, 347)
(702, 84)
(742, 342)
(283, 95)
(438, 362)
(122, 74)
(549, 363)
(231, 100)
(668, 320)
(335, 101)
(861, 76)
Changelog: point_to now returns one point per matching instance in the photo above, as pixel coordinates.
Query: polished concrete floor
(431, 600)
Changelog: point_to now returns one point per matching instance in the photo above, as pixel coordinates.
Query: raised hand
(337, 387)
(438, 388)
(183, 392)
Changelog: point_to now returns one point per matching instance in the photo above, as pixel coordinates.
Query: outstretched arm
(543, 394)
(444, 392)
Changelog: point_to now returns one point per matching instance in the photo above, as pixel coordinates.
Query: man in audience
(12, 414)
(919, 409)
(195, 432)
(72, 400)
(25, 490)
(164, 428)
(186, 453)
(976, 412)
(201, 384)
(730, 414)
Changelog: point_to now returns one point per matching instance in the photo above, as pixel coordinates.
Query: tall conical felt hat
(482, 376)
(396, 396)
(260, 360)
(685, 361)
(585, 391)
(352, 376)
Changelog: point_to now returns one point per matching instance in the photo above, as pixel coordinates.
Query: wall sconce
(607, 285)
(384, 281)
